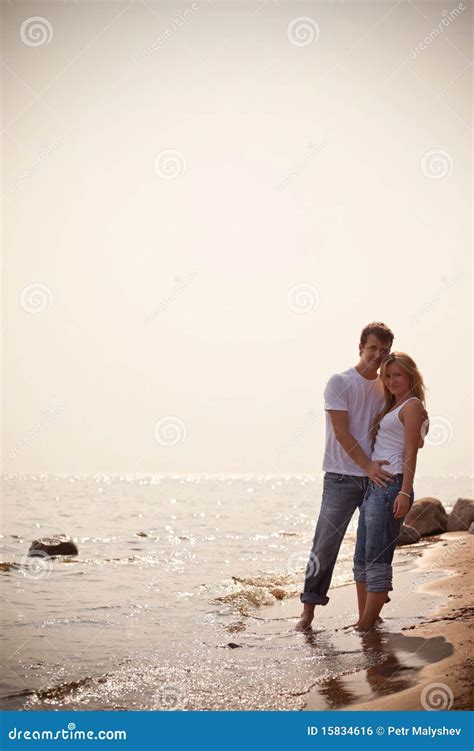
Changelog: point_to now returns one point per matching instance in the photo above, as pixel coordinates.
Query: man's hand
(401, 506)
(378, 475)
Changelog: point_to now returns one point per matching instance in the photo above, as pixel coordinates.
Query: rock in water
(408, 535)
(462, 515)
(427, 516)
(57, 545)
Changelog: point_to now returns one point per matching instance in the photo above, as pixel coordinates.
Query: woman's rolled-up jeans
(377, 536)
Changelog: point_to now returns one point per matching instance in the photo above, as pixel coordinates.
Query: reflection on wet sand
(394, 661)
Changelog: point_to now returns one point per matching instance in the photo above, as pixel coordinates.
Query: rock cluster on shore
(428, 517)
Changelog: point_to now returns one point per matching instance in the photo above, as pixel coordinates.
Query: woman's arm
(411, 415)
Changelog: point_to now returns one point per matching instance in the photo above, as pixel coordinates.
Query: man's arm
(373, 470)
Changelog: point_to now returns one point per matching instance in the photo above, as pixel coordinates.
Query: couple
(371, 421)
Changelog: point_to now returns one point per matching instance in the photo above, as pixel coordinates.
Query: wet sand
(445, 684)
(425, 664)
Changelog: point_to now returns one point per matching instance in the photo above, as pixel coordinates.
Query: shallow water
(173, 601)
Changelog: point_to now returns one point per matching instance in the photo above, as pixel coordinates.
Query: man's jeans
(377, 536)
(342, 494)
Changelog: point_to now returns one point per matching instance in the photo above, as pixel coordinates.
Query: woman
(396, 437)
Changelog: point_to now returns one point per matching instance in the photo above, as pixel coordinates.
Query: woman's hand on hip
(401, 506)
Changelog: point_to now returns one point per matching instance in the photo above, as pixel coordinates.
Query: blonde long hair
(417, 386)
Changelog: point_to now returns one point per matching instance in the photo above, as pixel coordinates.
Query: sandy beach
(452, 621)
(441, 639)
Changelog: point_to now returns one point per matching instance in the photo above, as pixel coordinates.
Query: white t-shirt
(362, 399)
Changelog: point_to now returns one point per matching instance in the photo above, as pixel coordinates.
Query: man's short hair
(380, 330)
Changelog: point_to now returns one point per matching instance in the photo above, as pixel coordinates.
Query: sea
(183, 594)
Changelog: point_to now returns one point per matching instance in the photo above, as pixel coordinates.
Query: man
(352, 400)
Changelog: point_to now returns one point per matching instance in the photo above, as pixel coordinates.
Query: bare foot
(303, 624)
(356, 625)
(306, 617)
(361, 626)
(351, 625)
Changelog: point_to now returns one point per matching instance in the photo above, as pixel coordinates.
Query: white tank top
(390, 440)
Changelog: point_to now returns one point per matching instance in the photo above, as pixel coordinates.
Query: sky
(204, 204)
